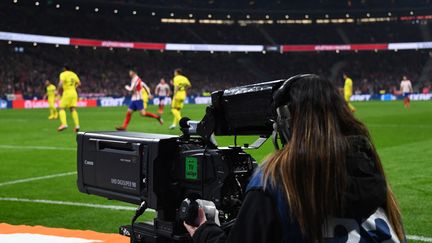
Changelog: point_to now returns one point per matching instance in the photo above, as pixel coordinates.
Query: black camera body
(163, 170)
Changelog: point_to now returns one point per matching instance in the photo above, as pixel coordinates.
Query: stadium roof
(236, 9)
(275, 5)
(252, 6)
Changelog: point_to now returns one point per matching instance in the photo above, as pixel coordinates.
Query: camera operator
(326, 184)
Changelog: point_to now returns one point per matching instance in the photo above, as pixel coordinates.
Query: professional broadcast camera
(164, 172)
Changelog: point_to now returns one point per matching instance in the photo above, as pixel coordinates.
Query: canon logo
(88, 162)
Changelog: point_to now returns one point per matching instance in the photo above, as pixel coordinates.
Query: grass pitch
(31, 147)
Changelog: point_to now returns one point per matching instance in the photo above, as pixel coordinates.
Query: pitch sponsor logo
(388, 97)
(117, 44)
(332, 47)
(420, 96)
(87, 103)
(29, 104)
(106, 102)
(361, 97)
(167, 101)
(203, 100)
(3, 104)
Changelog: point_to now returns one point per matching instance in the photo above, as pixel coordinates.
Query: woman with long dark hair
(327, 183)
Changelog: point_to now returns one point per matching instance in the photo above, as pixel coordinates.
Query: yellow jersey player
(146, 94)
(69, 81)
(181, 84)
(348, 91)
(51, 92)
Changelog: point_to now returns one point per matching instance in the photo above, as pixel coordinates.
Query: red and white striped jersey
(136, 88)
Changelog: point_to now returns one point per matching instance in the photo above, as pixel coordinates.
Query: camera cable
(139, 211)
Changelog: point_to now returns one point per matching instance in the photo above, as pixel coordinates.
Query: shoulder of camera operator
(265, 213)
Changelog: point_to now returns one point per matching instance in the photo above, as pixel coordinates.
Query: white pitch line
(7, 146)
(126, 208)
(77, 204)
(419, 238)
(36, 178)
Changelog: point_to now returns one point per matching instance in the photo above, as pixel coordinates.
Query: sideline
(7, 146)
(77, 204)
(6, 183)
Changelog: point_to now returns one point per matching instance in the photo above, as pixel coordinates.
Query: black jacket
(258, 220)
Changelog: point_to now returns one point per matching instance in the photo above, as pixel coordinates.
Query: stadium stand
(24, 67)
(105, 71)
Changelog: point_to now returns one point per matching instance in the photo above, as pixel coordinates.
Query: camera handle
(139, 211)
(188, 211)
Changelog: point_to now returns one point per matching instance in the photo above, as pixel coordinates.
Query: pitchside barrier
(72, 41)
(124, 101)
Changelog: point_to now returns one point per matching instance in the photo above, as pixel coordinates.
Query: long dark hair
(311, 168)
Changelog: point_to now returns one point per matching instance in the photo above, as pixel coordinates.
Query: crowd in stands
(24, 67)
(105, 71)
